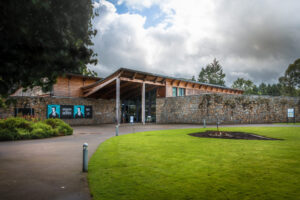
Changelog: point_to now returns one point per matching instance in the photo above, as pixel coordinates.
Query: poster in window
(20, 112)
(66, 111)
(53, 111)
(79, 111)
(88, 112)
(291, 112)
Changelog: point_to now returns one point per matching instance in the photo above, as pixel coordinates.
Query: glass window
(174, 91)
(181, 92)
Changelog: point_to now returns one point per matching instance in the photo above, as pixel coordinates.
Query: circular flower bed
(230, 135)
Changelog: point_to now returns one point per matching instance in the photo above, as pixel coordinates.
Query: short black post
(85, 157)
(117, 130)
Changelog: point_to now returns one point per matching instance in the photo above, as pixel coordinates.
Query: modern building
(134, 92)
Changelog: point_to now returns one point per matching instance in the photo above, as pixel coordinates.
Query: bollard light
(204, 123)
(117, 130)
(85, 157)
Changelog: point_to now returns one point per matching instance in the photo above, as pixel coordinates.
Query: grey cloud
(260, 39)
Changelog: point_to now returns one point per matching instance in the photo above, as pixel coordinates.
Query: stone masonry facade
(229, 109)
(103, 110)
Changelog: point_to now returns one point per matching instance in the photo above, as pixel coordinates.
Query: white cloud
(251, 39)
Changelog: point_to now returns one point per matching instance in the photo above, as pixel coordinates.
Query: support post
(117, 130)
(117, 100)
(143, 103)
(85, 157)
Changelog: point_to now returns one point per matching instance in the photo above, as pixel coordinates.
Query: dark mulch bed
(230, 135)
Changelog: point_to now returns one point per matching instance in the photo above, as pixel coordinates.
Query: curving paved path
(51, 168)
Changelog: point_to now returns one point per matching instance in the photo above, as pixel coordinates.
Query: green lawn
(172, 165)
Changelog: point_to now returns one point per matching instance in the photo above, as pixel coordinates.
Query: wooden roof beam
(145, 78)
(172, 82)
(113, 90)
(141, 81)
(98, 87)
(133, 92)
(134, 75)
(129, 90)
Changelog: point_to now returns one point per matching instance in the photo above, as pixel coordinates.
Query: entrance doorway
(131, 108)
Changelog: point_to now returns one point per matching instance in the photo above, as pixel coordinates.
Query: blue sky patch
(153, 14)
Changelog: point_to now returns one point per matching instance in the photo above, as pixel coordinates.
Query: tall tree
(41, 39)
(212, 73)
(293, 73)
(262, 89)
(274, 89)
(290, 82)
(246, 85)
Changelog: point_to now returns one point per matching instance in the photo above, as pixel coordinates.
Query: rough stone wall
(230, 109)
(103, 110)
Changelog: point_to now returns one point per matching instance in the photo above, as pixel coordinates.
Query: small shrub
(53, 122)
(16, 122)
(42, 130)
(9, 134)
(59, 125)
(19, 128)
(64, 129)
(15, 128)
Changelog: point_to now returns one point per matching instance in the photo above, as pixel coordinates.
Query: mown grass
(171, 164)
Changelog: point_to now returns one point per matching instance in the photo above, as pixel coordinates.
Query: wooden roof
(129, 78)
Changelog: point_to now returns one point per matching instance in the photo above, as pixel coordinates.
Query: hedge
(20, 128)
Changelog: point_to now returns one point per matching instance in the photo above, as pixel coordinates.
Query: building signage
(53, 111)
(78, 111)
(69, 111)
(88, 112)
(66, 111)
(291, 112)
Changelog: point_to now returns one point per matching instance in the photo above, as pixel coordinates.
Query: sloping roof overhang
(135, 76)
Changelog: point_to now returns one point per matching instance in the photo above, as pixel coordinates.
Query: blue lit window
(181, 92)
(174, 91)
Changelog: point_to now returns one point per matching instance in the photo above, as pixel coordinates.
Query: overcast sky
(254, 39)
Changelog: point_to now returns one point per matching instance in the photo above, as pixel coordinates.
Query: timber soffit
(155, 75)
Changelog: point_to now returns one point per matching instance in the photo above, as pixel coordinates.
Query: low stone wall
(103, 110)
(230, 109)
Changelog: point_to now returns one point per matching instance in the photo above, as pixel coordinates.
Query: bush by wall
(60, 127)
(20, 128)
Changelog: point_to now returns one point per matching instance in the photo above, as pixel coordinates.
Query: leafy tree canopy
(246, 85)
(290, 82)
(42, 39)
(88, 72)
(212, 74)
(293, 74)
